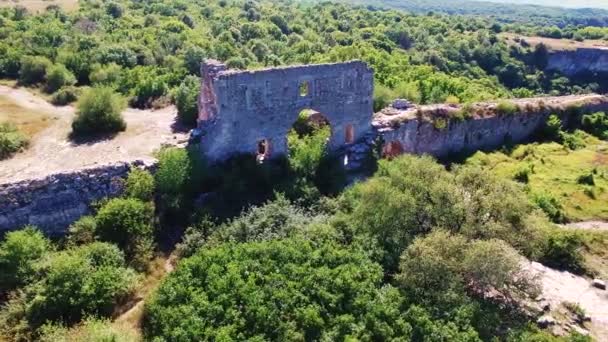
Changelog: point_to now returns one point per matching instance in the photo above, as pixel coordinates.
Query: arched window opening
(263, 150)
(392, 149)
(349, 134)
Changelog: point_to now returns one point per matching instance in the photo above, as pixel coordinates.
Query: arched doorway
(392, 149)
(307, 141)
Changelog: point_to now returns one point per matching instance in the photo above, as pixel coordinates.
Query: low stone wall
(54, 202)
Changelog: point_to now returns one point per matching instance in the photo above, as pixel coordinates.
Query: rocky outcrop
(579, 61)
(442, 130)
(52, 203)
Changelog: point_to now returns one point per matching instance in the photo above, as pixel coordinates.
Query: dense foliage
(430, 58)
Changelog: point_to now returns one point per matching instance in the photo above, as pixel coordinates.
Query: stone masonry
(240, 111)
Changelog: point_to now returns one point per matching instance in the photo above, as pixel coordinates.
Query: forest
(294, 249)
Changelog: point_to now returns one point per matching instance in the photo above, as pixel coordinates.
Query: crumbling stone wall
(238, 110)
(52, 203)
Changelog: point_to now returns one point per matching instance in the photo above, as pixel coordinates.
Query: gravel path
(51, 151)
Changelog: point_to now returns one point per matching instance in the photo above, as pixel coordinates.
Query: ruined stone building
(252, 111)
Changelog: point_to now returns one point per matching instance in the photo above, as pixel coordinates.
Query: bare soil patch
(41, 5)
(554, 43)
(51, 151)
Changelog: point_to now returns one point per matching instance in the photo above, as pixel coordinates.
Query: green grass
(556, 171)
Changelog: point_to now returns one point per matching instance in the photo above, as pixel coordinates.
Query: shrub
(573, 141)
(563, 250)
(82, 231)
(325, 292)
(523, 175)
(65, 96)
(19, 252)
(506, 108)
(140, 185)
(58, 76)
(382, 97)
(550, 206)
(99, 112)
(596, 124)
(553, 127)
(179, 171)
(186, 98)
(586, 179)
(11, 140)
(127, 222)
(105, 74)
(90, 330)
(33, 69)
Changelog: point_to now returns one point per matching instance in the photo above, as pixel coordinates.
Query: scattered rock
(580, 330)
(401, 104)
(600, 284)
(545, 321)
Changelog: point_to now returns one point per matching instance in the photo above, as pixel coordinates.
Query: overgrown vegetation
(11, 140)
(99, 112)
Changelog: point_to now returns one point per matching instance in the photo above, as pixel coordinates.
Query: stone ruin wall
(238, 110)
(420, 136)
(52, 203)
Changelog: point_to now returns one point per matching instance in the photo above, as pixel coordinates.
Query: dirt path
(587, 225)
(51, 151)
(561, 286)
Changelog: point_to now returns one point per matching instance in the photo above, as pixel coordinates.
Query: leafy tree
(178, 169)
(186, 100)
(99, 112)
(77, 282)
(19, 253)
(83, 231)
(325, 292)
(127, 222)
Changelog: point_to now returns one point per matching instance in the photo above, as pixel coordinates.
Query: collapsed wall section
(241, 112)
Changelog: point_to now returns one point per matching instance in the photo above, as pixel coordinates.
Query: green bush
(307, 152)
(140, 185)
(90, 330)
(523, 175)
(82, 231)
(19, 252)
(88, 280)
(105, 74)
(33, 69)
(65, 96)
(99, 112)
(563, 250)
(596, 124)
(186, 100)
(383, 96)
(506, 108)
(11, 140)
(550, 206)
(553, 127)
(127, 222)
(573, 141)
(179, 173)
(285, 290)
(58, 76)
(586, 179)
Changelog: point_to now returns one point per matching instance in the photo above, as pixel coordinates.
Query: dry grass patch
(28, 121)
